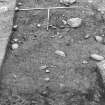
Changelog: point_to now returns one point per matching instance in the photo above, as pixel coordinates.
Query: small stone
(38, 25)
(84, 62)
(98, 38)
(61, 53)
(15, 27)
(15, 46)
(19, 4)
(74, 22)
(47, 71)
(96, 57)
(47, 79)
(87, 36)
(67, 1)
(15, 40)
(16, 9)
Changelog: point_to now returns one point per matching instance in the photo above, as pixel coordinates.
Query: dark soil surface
(70, 80)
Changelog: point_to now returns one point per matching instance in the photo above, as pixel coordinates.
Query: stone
(98, 38)
(61, 53)
(15, 46)
(67, 1)
(96, 57)
(47, 71)
(74, 22)
(15, 27)
(16, 9)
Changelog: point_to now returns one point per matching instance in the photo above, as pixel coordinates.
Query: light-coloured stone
(97, 57)
(15, 46)
(98, 38)
(68, 1)
(60, 53)
(74, 22)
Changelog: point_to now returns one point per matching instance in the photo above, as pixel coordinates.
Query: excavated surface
(70, 80)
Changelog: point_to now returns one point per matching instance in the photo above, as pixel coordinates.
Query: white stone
(38, 25)
(15, 46)
(97, 57)
(98, 38)
(61, 53)
(16, 8)
(15, 26)
(15, 39)
(47, 71)
(74, 22)
(47, 79)
(68, 1)
(19, 3)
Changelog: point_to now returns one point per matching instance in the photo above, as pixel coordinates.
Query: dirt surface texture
(55, 53)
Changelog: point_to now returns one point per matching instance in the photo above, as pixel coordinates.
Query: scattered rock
(87, 36)
(47, 71)
(38, 25)
(16, 9)
(15, 46)
(74, 22)
(97, 57)
(15, 40)
(98, 38)
(15, 27)
(67, 2)
(19, 4)
(47, 79)
(61, 53)
(84, 62)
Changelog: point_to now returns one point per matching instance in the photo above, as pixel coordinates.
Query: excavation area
(49, 57)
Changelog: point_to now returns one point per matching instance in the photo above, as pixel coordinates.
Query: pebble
(38, 25)
(19, 4)
(74, 22)
(15, 46)
(87, 36)
(84, 62)
(15, 40)
(47, 79)
(16, 9)
(47, 71)
(97, 57)
(98, 38)
(67, 1)
(61, 53)
(15, 27)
